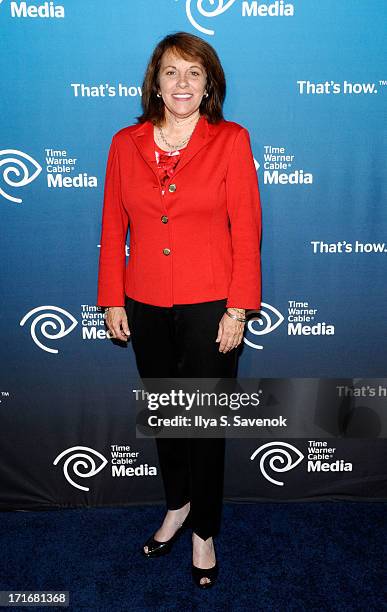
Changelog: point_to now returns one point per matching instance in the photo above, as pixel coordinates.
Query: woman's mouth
(182, 97)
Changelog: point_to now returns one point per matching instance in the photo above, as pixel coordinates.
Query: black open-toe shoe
(157, 549)
(211, 573)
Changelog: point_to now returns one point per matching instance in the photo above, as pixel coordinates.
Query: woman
(183, 180)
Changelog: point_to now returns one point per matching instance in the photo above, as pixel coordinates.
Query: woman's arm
(244, 210)
(111, 272)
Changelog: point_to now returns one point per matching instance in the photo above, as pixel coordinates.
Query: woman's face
(181, 84)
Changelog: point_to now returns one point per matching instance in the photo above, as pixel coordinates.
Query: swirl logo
(55, 322)
(276, 453)
(80, 457)
(214, 12)
(264, 323)
(18, 168)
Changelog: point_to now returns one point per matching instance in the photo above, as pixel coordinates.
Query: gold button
(166, 251)
(164, 219)
(172, 187)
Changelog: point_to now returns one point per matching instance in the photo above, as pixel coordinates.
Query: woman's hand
(117, 322)
(230, 332)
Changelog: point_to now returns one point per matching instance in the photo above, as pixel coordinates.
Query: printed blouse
(166, 162)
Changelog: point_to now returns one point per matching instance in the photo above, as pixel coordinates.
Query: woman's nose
(182, 81)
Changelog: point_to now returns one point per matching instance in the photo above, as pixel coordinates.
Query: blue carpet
(273, 556)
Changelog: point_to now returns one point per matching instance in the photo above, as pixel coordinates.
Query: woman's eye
(193, 72)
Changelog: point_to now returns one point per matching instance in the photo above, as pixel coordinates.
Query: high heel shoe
(157, 549)
(211, 573)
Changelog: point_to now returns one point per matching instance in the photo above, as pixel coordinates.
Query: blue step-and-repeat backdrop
(308, 79)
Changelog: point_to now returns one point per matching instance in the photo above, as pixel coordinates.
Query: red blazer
(198, 242)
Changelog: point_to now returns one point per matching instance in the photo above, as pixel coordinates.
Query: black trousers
(179, 341)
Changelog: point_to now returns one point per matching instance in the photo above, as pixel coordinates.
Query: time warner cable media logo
(82, 462)
(52, 323)
(19, 169)
(276, 458)
(302, 320)
(197, 15)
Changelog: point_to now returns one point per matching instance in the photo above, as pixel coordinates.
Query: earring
(206, 95)
(158, 95)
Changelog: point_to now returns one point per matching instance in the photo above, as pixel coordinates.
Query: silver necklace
(180, 144)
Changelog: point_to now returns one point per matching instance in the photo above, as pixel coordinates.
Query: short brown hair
(188, 46)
